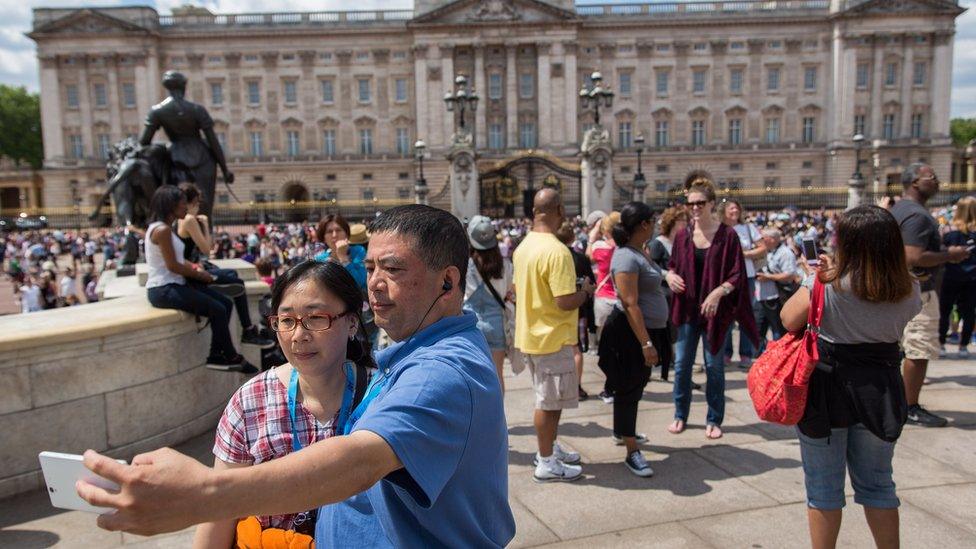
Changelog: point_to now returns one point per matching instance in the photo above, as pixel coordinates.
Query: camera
(579, 283)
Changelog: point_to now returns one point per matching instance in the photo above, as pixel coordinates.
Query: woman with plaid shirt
(316, 314)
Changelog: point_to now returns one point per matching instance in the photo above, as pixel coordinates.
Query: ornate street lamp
(970, 179)
(420, 187)
(640, 184)
(461, 100)
(595, 96)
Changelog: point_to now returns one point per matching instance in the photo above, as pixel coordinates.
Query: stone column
(421, 84)
(114, 101)
(941, 86)
(155, 81)
(544, 95)
(447, 75)
(511, 96)
(855, 192)
(310, 98)
(597, 168)
(481, 88)
(85, 107)
(463, 173)
(236, 139)
(143, 101)
(907, 77)
(840, 97)
(571, 114)
(51, 114)
(877, 88)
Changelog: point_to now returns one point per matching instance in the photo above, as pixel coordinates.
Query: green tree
(962, 130)
(20, 125)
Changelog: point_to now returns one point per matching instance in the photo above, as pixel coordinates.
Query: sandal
(713, 431)
(677, 427)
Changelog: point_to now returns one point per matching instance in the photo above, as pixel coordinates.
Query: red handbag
(779, 379)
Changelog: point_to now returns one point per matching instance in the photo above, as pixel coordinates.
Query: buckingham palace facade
(327, 106)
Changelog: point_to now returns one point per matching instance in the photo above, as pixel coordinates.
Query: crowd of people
(395, 337)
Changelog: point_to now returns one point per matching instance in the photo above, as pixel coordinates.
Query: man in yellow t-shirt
(546, 313)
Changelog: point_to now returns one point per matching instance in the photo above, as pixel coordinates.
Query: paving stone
(662, 536)
(953, 446)
(529, 530)
(954, 504)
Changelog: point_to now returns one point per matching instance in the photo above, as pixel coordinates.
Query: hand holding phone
(61, 472)
(810, 252)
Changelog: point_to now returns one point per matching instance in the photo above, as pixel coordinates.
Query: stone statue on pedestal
(465, 194)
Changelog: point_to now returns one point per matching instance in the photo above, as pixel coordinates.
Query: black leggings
(962, 294)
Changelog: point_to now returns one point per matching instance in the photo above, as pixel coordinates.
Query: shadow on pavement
(34, 539)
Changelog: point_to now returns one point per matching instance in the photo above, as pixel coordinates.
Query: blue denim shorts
(855, 450)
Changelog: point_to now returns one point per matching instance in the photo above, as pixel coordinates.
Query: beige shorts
(921, 339)
(601, 309)
(554, 379)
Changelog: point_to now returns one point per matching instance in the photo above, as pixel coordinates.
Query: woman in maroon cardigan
(708, 277)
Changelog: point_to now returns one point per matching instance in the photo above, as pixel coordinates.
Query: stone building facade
(327, 105)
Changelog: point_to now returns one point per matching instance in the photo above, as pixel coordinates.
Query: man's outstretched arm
(164, 490)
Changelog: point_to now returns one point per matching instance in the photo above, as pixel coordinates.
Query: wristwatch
(647, 345)
(725, 289)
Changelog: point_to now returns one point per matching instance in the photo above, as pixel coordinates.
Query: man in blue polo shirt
(425, 459)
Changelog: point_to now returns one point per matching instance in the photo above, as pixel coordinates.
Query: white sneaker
(619, 441)
(553, 470)
(942, 351)
(638, 465)
(963, 353)
(560, 454)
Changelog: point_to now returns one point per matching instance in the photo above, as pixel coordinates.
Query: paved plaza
(744, 490)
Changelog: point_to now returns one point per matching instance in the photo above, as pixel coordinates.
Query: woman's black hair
(336, 279)
(631, 215)
(164, 202)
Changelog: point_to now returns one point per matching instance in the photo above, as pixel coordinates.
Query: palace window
(216, 94)
(662, 135)
(891, 74)
(77, 149)
(698, 81)
(735, 131)
(863, 75)
(859, 124)
(772, 79)
(291, 92)
(291, 138)
(735, 81)
(257, 146)
(328, 94)
(129, 95)
(662, 82)
(625, 84)
(917, 125)
(365, 141)
(101, 100)
(369, 194)
(494, 86)
(401, 90)
(71, 96)
(403, 141)
(888, 131)
(496, 138)
(772, 130)
(527, 135)
(918, 77)
(809, 129)
(624, 135)
(526, 86)
(329, 142)
(698, 133)
(104, 145)
(222, 139)
(253, 93)
(364, 91)
(810, 78)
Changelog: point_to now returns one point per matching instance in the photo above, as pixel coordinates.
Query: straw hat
(358, 234)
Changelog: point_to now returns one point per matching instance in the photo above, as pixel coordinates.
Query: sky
(18, 61)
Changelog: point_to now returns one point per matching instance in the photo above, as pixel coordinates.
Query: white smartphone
(61, 472)
(810, 252)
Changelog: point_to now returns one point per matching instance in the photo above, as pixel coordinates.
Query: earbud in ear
(447, 286)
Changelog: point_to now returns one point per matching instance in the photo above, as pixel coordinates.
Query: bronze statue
(191, 158)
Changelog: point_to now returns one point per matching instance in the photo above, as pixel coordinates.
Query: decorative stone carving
(597, 172)
(494, 10)
(307, 57)
(433, 73)
(556, 70)
(269, 58)
(463, 175)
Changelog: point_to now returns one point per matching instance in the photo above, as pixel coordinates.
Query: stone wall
(118, 376)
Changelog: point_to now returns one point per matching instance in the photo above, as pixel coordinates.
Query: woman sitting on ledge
(316, 316)
(193, 230)
(174, 284)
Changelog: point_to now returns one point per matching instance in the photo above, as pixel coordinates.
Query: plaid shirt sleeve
(231, 441)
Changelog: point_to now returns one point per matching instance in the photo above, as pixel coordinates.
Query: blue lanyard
(347, 396)
(375, 386)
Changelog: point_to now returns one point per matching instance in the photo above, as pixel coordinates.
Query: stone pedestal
(465, 199)
(855, 191)
(597, 171)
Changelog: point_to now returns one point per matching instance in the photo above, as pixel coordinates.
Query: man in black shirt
(923, 250)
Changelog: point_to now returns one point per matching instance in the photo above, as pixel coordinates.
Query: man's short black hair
(439, 238)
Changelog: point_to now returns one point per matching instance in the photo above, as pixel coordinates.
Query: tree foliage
(20, 125)
(963, 130)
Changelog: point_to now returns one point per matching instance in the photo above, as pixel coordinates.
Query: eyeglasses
(318, 322)
(697, 204)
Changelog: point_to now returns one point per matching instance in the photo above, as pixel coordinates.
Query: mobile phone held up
(810, 252)
(61, 472)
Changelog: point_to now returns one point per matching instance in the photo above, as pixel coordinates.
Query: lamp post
(855, 186)
(640, 184)
(858, 143)
(461, 100)
(420, 187)
(970, 172)
(876, 168)
(596, 95)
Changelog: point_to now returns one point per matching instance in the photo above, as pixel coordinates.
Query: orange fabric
(250, 536)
